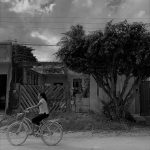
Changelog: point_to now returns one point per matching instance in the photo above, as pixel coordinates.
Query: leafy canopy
(121, 49)
(22, 54)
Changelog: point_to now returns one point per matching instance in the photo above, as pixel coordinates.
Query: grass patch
(83, 122)
(7, 120)
(92, 122)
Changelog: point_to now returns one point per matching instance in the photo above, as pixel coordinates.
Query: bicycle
(18, 132)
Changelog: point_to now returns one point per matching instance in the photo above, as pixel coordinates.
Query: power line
(53, 22)
(61, 17)
(32, 44)
(58, 28)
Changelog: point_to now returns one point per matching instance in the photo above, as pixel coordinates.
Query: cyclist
(43, 110)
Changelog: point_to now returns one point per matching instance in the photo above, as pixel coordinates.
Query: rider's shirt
(43, 107)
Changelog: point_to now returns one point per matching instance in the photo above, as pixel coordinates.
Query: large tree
(22, 54)
(121, 50)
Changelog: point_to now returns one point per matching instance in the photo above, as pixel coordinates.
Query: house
(80, 91)
(15, 79)
(48, 77)
(55, 74)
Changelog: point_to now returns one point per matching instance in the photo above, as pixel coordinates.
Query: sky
(43, 22)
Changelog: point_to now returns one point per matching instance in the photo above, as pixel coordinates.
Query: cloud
(22, 20)
(113, 6)
(4, 1)
(31, 6)
(114, 3)
(46, 37)
(48, 6)
(21, 6)
(129, 9)
(141, 13)
(83, 3)
(45, 53)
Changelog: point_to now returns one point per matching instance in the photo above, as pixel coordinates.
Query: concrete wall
(6, 66)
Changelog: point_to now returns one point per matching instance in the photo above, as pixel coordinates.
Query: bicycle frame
(28, 123)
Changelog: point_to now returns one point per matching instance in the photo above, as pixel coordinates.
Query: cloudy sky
(43, 21)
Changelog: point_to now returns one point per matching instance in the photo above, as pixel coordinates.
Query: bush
(109, 112)
(108, 109)
(90, 122)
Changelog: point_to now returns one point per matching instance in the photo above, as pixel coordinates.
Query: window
(77, 86)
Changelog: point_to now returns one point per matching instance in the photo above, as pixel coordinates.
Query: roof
(49, 68)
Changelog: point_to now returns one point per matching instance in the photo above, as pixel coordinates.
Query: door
(145, 98)
(3, 87)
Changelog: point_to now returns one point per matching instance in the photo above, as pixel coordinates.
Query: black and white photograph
(75, 74)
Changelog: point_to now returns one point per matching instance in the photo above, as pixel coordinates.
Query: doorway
(145, 98)
(3, 87)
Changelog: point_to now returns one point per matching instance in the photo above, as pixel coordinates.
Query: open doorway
(3, 87)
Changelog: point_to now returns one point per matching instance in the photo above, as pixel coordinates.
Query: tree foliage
(122, 49)
(23, 53)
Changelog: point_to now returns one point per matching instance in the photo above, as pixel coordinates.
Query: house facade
(81, 91)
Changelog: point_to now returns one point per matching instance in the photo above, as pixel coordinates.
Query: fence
(56, 96)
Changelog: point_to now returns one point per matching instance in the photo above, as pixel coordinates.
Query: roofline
(40, 63)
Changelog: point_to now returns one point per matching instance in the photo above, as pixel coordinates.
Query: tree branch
(100, 82)
(107, 82)
(125, 85)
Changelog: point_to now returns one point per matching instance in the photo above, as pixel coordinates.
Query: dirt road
(78, 141)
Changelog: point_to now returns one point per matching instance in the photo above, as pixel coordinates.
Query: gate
(56, 97)
(145, 98)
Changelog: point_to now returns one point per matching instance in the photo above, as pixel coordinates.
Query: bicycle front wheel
(17, 133)
(51, 133)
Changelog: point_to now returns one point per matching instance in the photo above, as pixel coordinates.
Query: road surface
(87, 142)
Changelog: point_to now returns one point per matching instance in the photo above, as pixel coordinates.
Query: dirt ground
(106, 140)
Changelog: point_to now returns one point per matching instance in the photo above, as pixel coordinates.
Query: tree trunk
(118, 100)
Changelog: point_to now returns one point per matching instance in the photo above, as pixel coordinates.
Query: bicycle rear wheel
(51, 133)
(17, 133)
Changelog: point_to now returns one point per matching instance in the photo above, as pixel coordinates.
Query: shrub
(108, 109)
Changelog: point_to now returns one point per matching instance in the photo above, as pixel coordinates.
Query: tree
(22, 53)
(121, 50)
